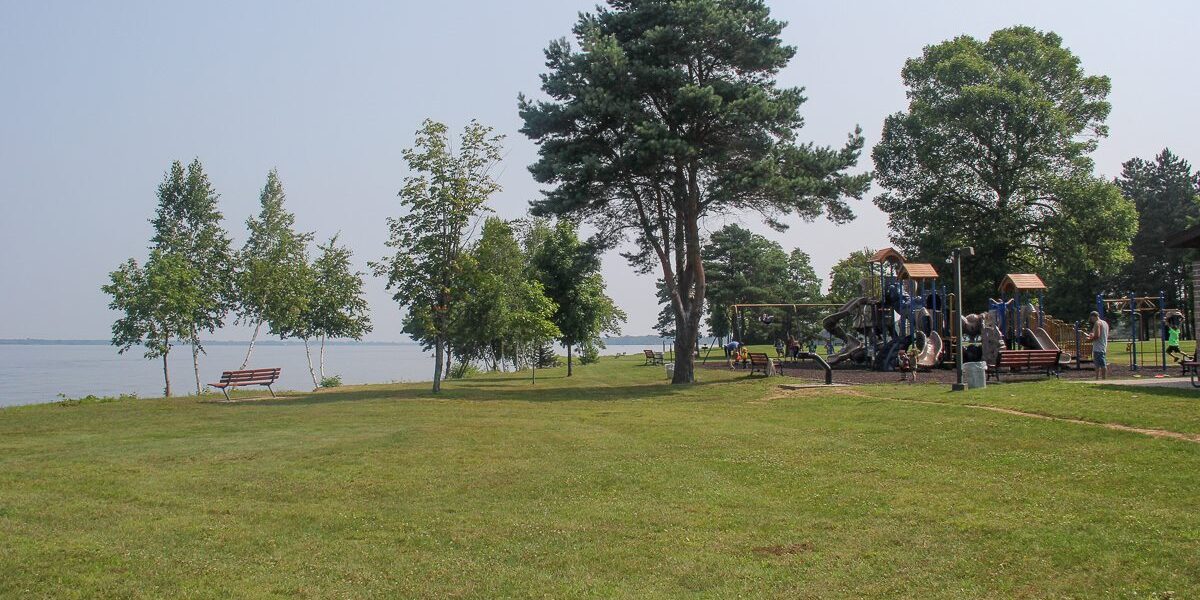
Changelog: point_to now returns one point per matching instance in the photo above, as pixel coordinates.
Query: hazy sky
(98, 98)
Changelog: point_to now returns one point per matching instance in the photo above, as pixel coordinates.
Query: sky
(97, 100)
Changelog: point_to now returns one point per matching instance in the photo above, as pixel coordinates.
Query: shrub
(463, 370)
(589, 353)
(331, 381)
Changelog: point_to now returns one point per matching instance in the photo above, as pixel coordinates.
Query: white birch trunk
(250, 350)
(311, 371)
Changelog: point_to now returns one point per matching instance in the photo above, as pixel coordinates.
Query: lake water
(39, 373)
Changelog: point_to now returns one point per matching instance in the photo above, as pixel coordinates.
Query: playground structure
(903, 307)
(1145, 350)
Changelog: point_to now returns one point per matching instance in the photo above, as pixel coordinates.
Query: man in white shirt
(1099, 339)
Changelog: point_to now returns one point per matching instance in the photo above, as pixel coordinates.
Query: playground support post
(1162, 312)
(958, 351)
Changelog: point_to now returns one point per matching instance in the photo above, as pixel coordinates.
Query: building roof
(917, 271)
(1021, 282)
(888, 255)
(1188, 238)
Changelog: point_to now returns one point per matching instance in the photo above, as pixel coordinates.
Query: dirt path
(1158, 433)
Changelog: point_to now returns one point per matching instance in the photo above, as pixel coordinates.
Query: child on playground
(1173, 350)
(908, 364)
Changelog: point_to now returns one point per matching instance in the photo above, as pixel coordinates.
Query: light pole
(956, 256)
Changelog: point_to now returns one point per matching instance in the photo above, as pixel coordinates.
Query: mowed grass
(609, 483)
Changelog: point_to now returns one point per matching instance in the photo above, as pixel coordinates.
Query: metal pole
(958, 355)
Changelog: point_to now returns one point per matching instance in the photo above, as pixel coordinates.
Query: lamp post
(956, 256)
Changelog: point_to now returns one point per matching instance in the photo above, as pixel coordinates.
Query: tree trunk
(166, 376)
(322, 363)
(196, 362)
(312, 373)
(253, 338)
(533, 371)
(446, 371)
(569, 358)
(439, 349)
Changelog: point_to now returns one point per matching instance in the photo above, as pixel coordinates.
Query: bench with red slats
(232, 379)
(1026, 360)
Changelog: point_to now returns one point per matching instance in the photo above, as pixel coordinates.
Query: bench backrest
(759, 358)
(1027, 358)
(648, 353)
(251, 375)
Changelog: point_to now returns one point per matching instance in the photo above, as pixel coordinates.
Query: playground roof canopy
(917, 271)
(888, 255)
(1020, 282)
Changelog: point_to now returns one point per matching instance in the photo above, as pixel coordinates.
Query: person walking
(1099, 339)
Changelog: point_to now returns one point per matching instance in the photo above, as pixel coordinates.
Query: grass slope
(607, 484)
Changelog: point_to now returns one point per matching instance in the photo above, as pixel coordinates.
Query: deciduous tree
(270, 279)
(335, 307)
(443, 196)
(994, 131)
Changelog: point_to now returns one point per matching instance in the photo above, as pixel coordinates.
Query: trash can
(670, 367)
(975, 374)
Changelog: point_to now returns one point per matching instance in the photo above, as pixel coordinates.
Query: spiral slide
(832, 324)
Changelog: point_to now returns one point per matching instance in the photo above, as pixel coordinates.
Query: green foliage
(569, 271)
(463, 370)
(446, 191)
(271, 284)
(331, 381)
(1087, 239)
(992, 131)
(504, 315)
(743, 267)
(1165, 192)
(669, 112)
(185, 286)
(589, 352)
(335, 307)
(847, 275)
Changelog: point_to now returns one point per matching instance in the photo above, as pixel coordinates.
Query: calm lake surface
(39, 373)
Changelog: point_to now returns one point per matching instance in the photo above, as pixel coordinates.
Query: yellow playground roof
(1021, 282)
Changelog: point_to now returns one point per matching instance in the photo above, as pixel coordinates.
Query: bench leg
(225, 390)
(270, 390)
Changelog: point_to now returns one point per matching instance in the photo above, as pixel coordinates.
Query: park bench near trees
(232, 379)
(1026, 360)
(652, 357)
(760, 363)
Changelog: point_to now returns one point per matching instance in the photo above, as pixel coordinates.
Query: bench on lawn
(232, 379)
(759, 361)
(1026, 360)
(652, 357)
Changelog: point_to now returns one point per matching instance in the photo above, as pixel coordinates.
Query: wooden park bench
(652, 357)
(1026, 360)
(232, 379)
(760, 362)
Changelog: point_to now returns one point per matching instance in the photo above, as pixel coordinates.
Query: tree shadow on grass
(489, 390)
(1163, 391)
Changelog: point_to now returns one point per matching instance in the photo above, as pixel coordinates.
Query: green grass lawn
(611, 483)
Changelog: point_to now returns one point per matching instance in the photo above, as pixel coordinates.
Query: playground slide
(832, 324)
(931, 354)
(1041, 338)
